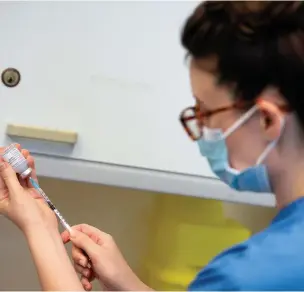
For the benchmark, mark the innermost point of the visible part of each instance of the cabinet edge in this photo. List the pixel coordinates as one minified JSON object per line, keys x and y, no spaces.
{"x":144,"y":179}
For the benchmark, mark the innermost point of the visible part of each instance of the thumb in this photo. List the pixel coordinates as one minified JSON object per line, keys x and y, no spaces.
{"x":10,"y":179}
{"x":84,"y":242}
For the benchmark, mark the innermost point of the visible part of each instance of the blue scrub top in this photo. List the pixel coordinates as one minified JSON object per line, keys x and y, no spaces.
{"x":270,"y":260}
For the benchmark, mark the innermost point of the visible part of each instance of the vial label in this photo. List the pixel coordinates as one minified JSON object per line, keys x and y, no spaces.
{"x":15,"y":158}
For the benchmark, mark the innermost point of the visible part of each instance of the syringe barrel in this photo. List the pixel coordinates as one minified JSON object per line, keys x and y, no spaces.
{"x":15,"y":158}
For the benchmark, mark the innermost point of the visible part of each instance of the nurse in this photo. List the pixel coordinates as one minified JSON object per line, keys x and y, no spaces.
{"x":247,"y":76}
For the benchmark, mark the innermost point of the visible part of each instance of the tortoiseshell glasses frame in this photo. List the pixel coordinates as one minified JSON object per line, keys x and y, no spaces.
{"x":194,"y":114}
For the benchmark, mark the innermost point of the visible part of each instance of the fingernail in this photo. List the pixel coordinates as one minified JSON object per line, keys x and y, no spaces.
{"x":86,"y":273}
{"x":82,"y":262}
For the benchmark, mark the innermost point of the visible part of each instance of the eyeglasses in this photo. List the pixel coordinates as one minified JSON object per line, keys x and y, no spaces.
{"x":193,"y":118}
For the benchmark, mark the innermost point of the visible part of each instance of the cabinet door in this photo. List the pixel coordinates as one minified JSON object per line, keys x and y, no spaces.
{"x":114,"y":72}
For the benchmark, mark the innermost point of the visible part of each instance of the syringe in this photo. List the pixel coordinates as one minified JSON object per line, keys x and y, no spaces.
{"x":51,"y":205}
{"x":15,"y":158}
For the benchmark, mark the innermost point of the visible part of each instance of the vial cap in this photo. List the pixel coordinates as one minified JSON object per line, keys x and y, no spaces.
{"x":26,"y":173}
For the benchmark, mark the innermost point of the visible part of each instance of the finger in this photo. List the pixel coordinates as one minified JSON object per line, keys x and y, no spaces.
{"x":93,"y":232}
{"x":84,"y":242}
{"x":18,"y":146}
{"x":65,"y":236}
{"x":79,"y":257}
{"x":25,"y":153}
{"x":32,"y":165}
{"x":86,"y":284}
{"x":97,"y":235}
{"x":85,"y":228}
{"x":2,"y":183}
{"x":10,"y":179}
{"x":23,"y":182}
{"x":83,"y":271}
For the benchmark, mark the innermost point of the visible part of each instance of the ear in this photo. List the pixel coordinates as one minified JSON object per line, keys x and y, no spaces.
{"x":271,"y":119}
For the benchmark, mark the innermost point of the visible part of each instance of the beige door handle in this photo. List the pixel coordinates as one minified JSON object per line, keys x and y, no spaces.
{"x":41,"y":134}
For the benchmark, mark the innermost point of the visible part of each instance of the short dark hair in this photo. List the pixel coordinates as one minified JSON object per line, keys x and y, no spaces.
{"x":257,"y":44}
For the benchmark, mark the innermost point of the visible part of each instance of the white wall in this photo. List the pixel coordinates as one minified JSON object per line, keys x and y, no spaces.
{"x":121,"y":212}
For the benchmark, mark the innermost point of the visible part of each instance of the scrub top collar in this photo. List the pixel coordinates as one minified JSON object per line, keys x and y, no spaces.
{"x":292,"y":208}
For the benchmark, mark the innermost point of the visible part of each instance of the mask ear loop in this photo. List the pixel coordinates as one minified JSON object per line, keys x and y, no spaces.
{"x":244,"y":118}
{"x":271,"y":145}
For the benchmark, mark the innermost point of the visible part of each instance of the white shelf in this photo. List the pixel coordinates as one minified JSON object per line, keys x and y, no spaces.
{"x":144,"y":179}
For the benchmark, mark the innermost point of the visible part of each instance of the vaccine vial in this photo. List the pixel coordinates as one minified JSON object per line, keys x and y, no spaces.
{"x":17,"y":161}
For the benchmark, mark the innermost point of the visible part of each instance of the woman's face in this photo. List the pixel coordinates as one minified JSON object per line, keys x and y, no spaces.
{"x":246,"y":143}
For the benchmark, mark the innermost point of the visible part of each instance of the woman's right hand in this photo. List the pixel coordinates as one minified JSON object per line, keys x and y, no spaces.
{"x":108,"y":264}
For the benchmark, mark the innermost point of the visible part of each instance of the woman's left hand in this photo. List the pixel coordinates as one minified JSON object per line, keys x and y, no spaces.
{"x":20,"y":202}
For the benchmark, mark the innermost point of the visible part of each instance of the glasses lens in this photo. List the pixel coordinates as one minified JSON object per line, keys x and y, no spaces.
{"x":191,"y":123}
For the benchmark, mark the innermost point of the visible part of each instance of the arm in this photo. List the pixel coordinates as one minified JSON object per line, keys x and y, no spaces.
{"x":26,"y":209}
{"x":53,"y":265}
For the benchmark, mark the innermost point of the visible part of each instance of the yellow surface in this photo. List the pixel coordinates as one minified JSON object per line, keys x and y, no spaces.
{"x":188,"y":210}
{"x":197,"y":245}
{"x":170,"y":280}
{"x":172,"y":211}
{"x":187,"y":233}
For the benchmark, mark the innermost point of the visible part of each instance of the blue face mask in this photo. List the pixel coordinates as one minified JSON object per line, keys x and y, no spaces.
{"x":213,"y":147}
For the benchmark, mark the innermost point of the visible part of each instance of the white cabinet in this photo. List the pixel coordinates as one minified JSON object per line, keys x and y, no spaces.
{"x":113,"y":72}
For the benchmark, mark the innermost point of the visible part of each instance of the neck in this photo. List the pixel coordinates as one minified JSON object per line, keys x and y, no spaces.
{"x":288,"y":184}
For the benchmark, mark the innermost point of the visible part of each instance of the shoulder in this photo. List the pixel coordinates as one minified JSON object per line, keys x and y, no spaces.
{"x":221,"y":273}
{"x":263,"y":262}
